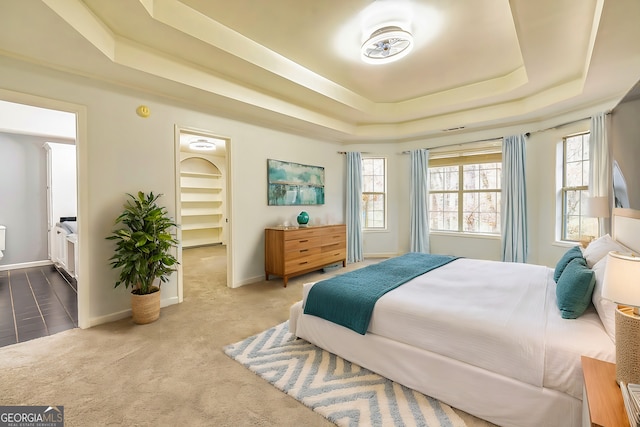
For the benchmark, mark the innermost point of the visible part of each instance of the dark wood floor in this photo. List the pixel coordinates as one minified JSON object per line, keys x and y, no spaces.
{"x":35,"y":302}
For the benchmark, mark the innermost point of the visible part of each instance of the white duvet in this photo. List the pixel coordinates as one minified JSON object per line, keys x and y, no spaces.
{"x":501,"y":317}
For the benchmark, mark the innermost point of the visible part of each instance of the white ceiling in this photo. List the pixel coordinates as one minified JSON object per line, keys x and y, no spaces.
{"x":294,"y":64}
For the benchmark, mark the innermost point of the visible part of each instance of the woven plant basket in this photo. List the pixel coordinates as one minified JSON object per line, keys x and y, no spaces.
{"x":145,"y":308}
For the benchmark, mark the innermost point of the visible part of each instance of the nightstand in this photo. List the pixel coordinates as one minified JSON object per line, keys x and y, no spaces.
{"x":602,"y":404}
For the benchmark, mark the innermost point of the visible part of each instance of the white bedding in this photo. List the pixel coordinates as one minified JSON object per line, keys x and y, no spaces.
{"x":484,"y":393}
{"x":487,"y":314}
{"x":500,"y":317}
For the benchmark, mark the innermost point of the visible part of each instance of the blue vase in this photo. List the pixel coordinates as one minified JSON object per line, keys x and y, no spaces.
{"x":303,"y":218}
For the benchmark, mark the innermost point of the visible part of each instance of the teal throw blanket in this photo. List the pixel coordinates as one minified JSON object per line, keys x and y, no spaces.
{"x":348,"y":299}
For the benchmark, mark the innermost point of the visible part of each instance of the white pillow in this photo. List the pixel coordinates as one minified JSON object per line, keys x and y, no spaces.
{"x":606,"y":309}
{"x":599,"y":249}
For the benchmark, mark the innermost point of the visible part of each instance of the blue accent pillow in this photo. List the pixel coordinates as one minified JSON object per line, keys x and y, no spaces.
{"x":572,"y":253}
{"x":575,"y":288}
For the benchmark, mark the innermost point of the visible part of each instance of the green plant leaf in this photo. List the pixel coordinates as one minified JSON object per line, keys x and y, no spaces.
{"x":143,"y":243}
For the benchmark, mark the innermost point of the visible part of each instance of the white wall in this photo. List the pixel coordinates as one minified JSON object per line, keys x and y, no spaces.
{"x":542,"y":173}
{"x":23,"y":199}
{"x":126,"y":153}
{"x":251,"y":146}
{"x":395,"y":240}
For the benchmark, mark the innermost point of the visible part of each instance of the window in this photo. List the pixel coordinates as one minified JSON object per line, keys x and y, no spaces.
{"x":575,"y":188}
{"x":374,"y":192}
{"x":464,"y":193}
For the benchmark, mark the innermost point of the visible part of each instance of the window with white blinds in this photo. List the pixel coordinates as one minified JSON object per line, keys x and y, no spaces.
{"x":464,"y":188}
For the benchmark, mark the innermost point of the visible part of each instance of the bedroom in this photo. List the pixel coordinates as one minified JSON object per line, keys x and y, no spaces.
{"x":108,"y":154}
{"x":101,"y":145}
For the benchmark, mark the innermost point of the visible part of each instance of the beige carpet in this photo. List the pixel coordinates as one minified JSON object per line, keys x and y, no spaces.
{"x":171,"y":372}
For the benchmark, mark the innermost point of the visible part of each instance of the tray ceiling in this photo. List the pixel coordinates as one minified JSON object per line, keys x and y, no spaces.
{"x":294,"y":65}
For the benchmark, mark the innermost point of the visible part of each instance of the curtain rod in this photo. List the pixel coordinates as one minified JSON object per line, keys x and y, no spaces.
{"x":527,"y":134}
{"x":563,"y":124}
{"x":454,"y":145}
{"x":495,"y":139}
{"x":570,"y":123}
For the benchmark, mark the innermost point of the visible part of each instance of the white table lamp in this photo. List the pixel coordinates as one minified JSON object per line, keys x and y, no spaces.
{"x":622,"y":286}
{"x":597,"y":207}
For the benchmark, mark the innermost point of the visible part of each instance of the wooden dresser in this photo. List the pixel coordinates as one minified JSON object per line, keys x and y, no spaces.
{"x":292,"y":251}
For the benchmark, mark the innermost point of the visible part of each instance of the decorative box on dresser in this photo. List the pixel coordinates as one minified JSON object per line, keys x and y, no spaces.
{"x":602,"y":404}
{"x":292,"y":251}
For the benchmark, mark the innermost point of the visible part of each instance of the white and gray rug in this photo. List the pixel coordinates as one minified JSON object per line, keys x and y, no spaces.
{"x":342,"y":392}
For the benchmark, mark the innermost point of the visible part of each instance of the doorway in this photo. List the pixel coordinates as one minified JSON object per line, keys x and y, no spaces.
{"x":202,"y":195}
{"x":53,"y":127}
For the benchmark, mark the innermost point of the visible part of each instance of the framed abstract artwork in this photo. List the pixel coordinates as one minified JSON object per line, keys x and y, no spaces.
{"x":294,"y":184}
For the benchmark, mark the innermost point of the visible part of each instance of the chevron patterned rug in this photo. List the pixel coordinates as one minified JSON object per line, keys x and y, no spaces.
{"x":342,"y":392}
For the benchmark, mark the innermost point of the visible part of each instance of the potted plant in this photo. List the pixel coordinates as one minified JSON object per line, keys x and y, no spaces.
{"x":143,"y":253}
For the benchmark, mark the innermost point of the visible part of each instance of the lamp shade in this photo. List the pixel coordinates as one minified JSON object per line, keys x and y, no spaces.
{"x":622,"y":279}
{"x":597,"y":207}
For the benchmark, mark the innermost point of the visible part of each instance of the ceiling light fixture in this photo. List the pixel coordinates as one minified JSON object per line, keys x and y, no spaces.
{"x":202,"y":145}
{"x":386,"y":45}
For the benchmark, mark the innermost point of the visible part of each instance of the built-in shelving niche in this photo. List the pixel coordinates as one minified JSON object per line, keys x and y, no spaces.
{"x":202,"y":202}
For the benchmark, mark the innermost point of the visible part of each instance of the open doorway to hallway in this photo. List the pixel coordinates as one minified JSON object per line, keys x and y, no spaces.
{"x":202,"y":208}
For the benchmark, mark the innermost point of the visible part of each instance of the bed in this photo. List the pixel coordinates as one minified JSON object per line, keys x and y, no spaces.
{"x":504,"y":354}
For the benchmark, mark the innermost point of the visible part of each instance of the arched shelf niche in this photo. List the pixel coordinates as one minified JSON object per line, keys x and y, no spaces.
{"x":201,"y":201}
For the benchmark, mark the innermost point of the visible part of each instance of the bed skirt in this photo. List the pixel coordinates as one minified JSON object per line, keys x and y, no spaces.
{"x":495,"y":398}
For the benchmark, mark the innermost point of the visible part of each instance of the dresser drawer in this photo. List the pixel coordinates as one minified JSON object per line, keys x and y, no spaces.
{"x":334,"y":238}
{"x":301,"y":243}
{"x":302,"y":253}
{"x":333,"y":254}
{"x":298,"y":264}
{"x":335,"y":229}
{"x":314,"y":260}
{"x":302,"y":233}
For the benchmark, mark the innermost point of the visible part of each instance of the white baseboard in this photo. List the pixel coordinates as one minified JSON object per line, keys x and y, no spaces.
{"x":25,"y":265}
{"x":112,"y":317}
{"x":119,"y":315}
{"x":250,"y":281}
{"x":168,"y":301}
